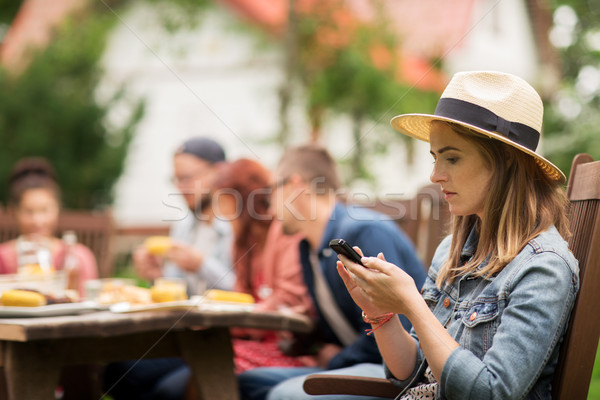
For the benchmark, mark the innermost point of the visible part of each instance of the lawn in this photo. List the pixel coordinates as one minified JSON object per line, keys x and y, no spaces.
{"x":594,"y":393}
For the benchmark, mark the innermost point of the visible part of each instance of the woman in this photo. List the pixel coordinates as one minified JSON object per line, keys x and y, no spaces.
{"x":500,"y":288}
{"x":266,"y":262}
{"x":34,"y":197}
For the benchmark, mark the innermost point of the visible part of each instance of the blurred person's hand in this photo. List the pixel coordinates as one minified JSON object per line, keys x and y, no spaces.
{"x":146,"y":265}
{"x":326,"y":353}
{"x":185,"y":256}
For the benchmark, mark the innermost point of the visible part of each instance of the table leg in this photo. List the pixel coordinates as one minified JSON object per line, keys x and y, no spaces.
{"x":210,"y":357}
{"x":32,"y":370}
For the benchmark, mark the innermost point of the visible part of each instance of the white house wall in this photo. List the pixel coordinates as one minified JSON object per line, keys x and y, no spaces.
{"x":215,"y":81}
{"x":500,"y":39}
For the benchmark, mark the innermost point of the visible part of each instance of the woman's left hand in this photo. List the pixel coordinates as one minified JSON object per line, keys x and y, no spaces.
{"x":380,"y":287}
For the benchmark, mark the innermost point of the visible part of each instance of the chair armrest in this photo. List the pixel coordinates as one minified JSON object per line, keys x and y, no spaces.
{"x":350,"y":385}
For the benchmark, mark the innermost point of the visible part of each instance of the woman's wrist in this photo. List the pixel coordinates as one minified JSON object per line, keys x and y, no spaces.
{"x":416,"y":308}
{"x":376,"y":321}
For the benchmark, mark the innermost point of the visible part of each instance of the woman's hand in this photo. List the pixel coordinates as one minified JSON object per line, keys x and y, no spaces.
{"x":354,"y":290}
{"x":380,"y":287}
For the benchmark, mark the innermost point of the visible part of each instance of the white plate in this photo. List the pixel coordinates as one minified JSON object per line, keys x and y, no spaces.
{"x":167,"y":305}
{"x":194,"y":302}
{"x":50,"y":310}
{"x":230,"y":306}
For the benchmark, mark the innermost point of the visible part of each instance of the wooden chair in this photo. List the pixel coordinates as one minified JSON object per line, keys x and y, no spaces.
{"x":94,"y":229}
{"x":578,"y":350}
{"x":574,"y":370}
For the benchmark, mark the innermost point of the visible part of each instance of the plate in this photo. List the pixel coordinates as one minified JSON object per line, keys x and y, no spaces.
{"x":125,"y":307}
{"x":195,"y":302}
{"x":230,"y":306}
{"x":50,"y":310}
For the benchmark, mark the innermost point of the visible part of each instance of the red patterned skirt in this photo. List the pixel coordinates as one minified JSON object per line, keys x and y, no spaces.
{"x":249,"y":354}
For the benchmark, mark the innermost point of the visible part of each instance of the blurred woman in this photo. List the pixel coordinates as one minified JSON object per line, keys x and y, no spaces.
{"x":266,"y":262}
{"x":35,"y":199}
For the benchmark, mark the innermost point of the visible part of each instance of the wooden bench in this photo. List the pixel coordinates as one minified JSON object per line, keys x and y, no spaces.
{"x":94,"y":229}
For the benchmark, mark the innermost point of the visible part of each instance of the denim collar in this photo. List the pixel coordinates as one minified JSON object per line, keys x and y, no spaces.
{"x":470,"y":245}
{"x":469,"y":249}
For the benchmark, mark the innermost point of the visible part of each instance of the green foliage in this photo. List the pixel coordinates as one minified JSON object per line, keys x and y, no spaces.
{"x":351,"y":67}
{"x":176,"y":14}
{"x":576,"y":131}
{"x":51,"y":110}
{"x":594,"y":392}
{"x":8,"y":10}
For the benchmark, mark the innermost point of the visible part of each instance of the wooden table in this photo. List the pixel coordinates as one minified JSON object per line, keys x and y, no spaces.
{"x":33,"y":350}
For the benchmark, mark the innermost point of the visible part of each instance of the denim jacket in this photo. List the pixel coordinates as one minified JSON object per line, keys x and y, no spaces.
{"x":509,"y":326}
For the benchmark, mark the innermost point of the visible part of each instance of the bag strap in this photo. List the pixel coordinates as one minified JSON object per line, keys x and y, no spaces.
{"x":328,"y":306}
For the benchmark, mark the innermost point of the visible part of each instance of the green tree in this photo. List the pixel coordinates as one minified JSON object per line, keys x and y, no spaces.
{"x":572,"y":118}
{"x":51,"y":110}
{"x":351,"y":67}
{"x":8,"y":10}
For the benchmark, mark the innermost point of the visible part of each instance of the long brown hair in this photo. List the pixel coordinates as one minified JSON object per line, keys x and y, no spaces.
{"x":522,"y":203}
{"x":248,"y":181}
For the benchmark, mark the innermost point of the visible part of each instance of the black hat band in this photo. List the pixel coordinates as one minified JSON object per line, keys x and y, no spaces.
{"x":485,"y":119}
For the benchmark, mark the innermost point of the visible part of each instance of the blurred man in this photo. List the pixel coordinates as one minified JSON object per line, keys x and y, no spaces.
{"x":305,"y":199}
{"x":201,"y":251}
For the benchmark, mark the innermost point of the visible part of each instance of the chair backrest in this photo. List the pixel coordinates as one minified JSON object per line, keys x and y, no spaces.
{"x":578,"y":350}
{"x":424,"y":218}
{"x":93,"y":229}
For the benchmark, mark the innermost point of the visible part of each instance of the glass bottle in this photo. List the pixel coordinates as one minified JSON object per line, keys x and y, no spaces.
{"x":71,"y":263}
{"x":26,"y":256}
{"x":33,"y":257}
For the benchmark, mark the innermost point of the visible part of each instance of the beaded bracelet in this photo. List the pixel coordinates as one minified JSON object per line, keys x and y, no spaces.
{"x":379,"y":320}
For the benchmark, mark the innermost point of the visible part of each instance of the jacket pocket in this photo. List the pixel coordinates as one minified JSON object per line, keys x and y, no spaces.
{"x":481,"y":311}
{"x":480,"y":322}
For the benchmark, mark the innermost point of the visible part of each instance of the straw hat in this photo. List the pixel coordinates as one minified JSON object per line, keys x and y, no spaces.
{"x":498,"y":105}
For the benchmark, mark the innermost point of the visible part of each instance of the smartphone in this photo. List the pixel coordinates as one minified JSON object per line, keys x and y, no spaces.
{"x":340,"y":246}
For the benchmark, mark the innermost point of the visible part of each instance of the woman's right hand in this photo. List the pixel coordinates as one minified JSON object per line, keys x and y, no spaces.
{"x":358,"y":295}
{"x":381,"y":287}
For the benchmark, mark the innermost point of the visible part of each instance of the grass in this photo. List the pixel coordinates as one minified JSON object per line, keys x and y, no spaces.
{"x":594,"y":393}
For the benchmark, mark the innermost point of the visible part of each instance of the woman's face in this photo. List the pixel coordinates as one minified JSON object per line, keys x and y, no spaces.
{"x":37,"y":213}
{"x":460,"y":169}
{"x":226,"y":206}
